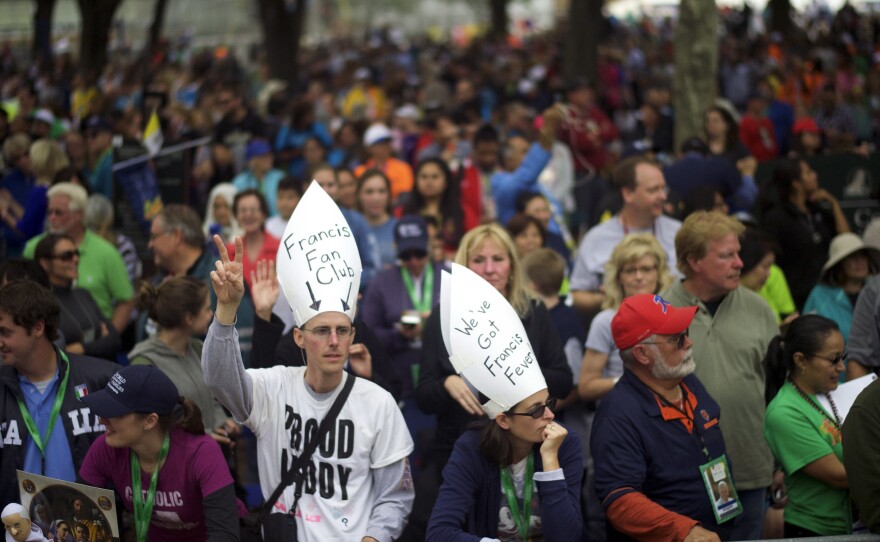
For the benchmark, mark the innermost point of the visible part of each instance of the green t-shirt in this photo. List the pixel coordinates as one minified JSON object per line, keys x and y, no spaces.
{"x":798,"y":434}
{"x":101,"y":271}
{"x":777,"y":294}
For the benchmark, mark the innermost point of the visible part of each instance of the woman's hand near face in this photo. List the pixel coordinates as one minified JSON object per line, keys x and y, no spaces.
{"x":553,"y":435}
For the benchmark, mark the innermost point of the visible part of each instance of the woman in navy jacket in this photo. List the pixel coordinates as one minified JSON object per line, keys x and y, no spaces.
{"x":486,"y":489}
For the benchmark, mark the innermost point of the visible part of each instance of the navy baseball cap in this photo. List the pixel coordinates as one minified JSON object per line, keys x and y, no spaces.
{"x":411,"y":233}
{"x":136,"y":388}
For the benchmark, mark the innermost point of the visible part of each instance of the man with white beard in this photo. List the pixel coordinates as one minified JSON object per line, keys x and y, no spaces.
{"x":656,"y":435}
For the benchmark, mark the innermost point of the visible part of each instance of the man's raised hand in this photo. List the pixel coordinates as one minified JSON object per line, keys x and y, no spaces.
{"x":228,"y":281}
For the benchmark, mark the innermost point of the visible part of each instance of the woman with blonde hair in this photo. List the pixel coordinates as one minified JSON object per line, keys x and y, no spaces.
{"x":47,"y":159}
{"x":488,"y":251}
{"x":637,"y":266}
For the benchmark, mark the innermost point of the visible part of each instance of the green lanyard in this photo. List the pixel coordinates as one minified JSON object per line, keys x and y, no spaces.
{"x":144,"y":509}
{"x":56,"y":408}
{"x":522,"y":520}
{"x":421,"y":303}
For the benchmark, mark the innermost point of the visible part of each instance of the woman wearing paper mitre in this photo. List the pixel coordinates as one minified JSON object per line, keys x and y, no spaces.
{"x":489,"y":252}
{"x":517,"y":475}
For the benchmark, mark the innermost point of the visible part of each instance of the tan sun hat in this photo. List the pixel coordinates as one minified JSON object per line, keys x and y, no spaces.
{"x":846,"y":244}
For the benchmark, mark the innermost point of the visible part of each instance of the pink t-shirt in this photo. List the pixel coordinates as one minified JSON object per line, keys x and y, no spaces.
{"x":195,"y":467}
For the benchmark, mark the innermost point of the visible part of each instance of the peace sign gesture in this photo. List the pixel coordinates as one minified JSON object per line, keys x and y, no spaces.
{"x":228,"y":281}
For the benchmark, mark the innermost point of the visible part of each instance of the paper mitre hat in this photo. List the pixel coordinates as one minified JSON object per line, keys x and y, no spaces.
{"x":486,"y":341}
{"x":318,"y":263}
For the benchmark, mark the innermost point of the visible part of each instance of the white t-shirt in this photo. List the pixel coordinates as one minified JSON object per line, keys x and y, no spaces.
{"x":369,"y":433}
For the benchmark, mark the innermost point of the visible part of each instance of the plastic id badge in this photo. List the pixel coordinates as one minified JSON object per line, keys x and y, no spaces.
{"x":720,"y":490}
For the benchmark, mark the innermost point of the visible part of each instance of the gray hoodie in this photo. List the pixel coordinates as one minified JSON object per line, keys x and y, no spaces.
{"x":185,"y":372}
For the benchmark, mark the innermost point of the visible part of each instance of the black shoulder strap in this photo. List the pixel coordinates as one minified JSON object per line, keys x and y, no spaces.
{"x":300,"y":462}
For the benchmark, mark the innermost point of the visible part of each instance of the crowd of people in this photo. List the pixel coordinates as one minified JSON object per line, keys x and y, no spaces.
{"x":676,"y":307}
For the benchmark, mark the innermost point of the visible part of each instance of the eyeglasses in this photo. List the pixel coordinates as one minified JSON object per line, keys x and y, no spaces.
{"x":412,"y":254}
{"x":537,"y":412}
{"x":324,"y":331}
{"x":836,"y":359}
{"x":66,"y":256}
{"x":644,"y":270}
{"x":679,"y":340}
{"x":157,"y":234}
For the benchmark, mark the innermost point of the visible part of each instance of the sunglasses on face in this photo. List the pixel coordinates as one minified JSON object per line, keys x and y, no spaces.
{"x":679,"y":340}
{"x":66,"y":256}
{"x":537,"y":412}
{"x":836,"y":359}
{"x":412,"y":254}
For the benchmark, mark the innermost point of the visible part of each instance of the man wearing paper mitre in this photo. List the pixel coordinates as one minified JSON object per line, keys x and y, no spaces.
{"x":658,"y":450}
{"x":356,"y":484}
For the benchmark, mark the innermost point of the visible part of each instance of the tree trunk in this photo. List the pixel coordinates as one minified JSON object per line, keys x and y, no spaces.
{"x":780,"y":15}
{"x":581,"y":57}
{"x":696,"y":66}
{"x":498,"y":22}
{"x":156,"y":28}
{"x":96,"y":20}
{"x":282,"y":28}
{"x":41,"y":48}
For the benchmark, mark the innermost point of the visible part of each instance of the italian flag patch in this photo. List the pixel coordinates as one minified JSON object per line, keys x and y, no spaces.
{"x":81,"y":391}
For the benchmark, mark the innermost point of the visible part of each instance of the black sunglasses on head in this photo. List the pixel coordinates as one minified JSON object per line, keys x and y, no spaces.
{"x":537,"y":412}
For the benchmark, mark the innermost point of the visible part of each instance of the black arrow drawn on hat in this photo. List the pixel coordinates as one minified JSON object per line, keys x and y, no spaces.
{"x":316,"y":303}
{"x":345,"y":306}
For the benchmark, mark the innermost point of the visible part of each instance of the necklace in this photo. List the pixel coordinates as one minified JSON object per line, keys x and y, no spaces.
{"x":802,"y":393}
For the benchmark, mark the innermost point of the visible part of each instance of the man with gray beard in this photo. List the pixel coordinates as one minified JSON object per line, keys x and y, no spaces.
{"x":656,"y":434}
{"x":731,"y":331}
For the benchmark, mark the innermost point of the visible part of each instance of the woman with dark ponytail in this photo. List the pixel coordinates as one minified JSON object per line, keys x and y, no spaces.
{"x":155,"y":453}
{"x":182,"y":310}
{"x":803,"y":434}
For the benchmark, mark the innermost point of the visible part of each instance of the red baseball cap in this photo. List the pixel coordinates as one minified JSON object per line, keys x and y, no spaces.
{"x":643,"y":315}
{"x":805,"y":124}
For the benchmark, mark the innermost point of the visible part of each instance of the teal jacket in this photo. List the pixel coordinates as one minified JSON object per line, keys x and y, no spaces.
{"x":833,"y":303}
